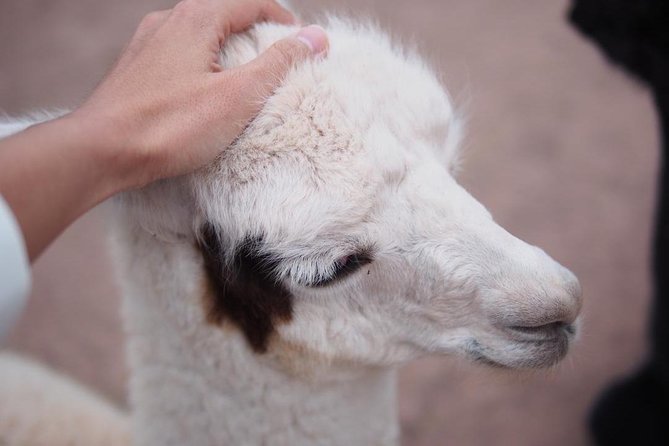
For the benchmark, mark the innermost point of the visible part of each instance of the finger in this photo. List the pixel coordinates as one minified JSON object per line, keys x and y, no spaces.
{"x":237,"y":17}
{"x":232,"y":16}
{"x":265,"y":73}
{"x":272,"y":11}
{"x":151,"y":22}
{"x":284,"y":54}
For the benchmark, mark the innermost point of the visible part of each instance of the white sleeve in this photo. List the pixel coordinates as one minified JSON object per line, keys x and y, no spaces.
{"x":14,"y":269}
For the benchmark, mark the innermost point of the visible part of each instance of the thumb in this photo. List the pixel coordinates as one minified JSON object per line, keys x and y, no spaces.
{"x":267,"y":71}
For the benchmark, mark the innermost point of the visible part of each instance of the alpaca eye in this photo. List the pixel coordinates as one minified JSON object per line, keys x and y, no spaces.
{"x":344,"y":267}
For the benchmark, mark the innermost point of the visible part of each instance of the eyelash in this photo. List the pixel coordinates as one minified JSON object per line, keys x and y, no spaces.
{"x":345,"y":267}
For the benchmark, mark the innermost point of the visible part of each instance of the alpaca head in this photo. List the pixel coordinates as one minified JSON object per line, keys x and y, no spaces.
{"x":334,"y":227}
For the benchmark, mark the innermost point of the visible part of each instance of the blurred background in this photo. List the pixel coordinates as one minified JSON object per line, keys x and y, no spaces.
{"x":562,"y":148}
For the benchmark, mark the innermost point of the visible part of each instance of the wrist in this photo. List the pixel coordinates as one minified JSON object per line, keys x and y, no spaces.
{"x":108,"y":148}
{"x":88,"y":142}
{"x":59,"y":170}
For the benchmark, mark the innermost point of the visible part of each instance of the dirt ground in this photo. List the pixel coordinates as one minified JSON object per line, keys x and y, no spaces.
{"x":561,"y":148}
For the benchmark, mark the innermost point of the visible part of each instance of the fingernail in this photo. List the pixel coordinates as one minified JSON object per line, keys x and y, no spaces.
{"x":315,"y":38}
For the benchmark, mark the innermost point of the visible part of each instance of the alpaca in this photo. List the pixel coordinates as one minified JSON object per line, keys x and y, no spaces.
{"x":42,"y":408}
{"x":270,"y":296}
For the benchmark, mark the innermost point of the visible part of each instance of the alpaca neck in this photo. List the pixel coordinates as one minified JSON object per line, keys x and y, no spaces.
{"x":197,"y":384}
{"x":231,"y":396}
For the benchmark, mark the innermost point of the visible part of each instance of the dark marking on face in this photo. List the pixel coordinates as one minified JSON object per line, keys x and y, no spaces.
{"x":245,"y":289}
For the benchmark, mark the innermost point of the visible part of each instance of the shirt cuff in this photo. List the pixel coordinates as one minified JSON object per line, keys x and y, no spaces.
{"x":14,"y":269}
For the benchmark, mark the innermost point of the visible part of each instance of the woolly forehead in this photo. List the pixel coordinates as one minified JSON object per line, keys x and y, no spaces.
{"x":325,"y":146}
{"x":378,"y":84}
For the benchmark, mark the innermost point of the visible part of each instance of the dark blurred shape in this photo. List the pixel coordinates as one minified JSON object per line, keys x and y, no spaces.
{"x":635,"y":35}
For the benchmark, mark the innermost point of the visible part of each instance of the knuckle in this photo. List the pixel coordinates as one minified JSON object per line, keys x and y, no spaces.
{"x":233,"y":79}
{"x":191,"y":7}
{"x":237,"y":82}
{"x":150,"y":19}
{"x":199,"y":12}
{"x":290,"y":51}
{"x":272,"y":5}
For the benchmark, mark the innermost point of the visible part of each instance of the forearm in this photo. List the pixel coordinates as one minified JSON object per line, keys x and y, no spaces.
{"x":52,"y":173}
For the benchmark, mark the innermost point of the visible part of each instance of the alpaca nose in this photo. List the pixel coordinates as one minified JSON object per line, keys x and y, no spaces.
{"x":543,"y":312}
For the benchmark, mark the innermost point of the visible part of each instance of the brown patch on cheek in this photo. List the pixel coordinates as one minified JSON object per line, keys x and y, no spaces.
{"x":244,"y":290}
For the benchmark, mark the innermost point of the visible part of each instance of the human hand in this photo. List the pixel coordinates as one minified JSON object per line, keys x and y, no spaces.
{"x":167,"y":107}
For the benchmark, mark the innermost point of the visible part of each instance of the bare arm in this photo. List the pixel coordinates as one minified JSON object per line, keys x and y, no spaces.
{"x":165,"y":109}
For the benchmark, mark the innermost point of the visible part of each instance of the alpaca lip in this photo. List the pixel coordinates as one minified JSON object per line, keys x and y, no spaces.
{"x":538,"y":353}
{"x":553,"y":332}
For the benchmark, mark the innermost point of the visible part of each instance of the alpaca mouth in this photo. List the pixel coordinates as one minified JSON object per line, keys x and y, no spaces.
{"x":521,"y":353}
{"x":552,"y":332}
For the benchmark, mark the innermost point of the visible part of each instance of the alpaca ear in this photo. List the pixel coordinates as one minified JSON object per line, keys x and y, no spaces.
{"x":243,"y":288}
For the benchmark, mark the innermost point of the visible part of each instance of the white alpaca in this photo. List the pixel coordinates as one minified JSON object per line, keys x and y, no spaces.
{"x":270,"y":296}
{"x":38,"y":407}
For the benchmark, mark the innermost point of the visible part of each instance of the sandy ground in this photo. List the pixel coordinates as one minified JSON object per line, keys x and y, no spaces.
{"x":560,"y":147}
